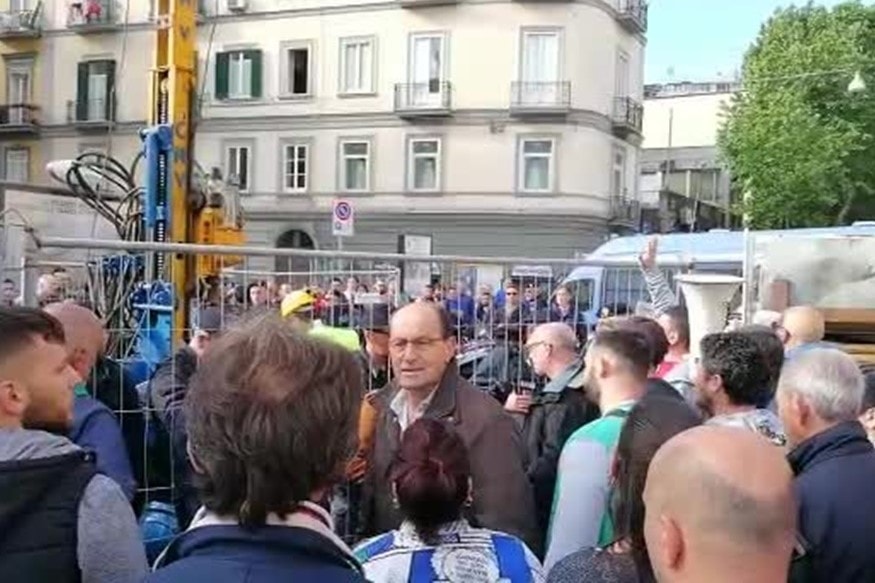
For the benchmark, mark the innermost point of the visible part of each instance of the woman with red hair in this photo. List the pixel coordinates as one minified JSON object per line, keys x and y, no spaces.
{"x":431,"y":479}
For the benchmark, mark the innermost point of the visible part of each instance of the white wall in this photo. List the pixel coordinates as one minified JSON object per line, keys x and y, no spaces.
{"x":694,"y":120}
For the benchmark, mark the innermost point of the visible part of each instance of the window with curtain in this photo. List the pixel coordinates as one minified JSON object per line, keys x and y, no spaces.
{"x":356,"y":65}
{"x":17,"y":164}
{"x":425,"y":164}
{"x":296,"y":161}
{"x":618,"y":172}
{"x":239,"y":76}
{"x":540,"y":67}
{"x":536,"y":165}
{"x":356,"y":165}
{"x":238,"y":166}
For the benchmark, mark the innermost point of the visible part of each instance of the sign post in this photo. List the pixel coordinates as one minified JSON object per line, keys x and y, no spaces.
{"x":342,"y":221}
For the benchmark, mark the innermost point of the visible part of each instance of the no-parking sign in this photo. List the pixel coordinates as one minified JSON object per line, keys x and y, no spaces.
{"x":342,"y":219}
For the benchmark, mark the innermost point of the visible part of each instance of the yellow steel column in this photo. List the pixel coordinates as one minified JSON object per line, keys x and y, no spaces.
{"x":171,"y":90}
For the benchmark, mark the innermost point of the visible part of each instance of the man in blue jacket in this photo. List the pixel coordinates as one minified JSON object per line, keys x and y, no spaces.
{"x":95,"y":428}
{"x":819,"y":397}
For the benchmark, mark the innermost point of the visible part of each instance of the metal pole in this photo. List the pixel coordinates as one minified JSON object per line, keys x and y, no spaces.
{"x":29,"y":270}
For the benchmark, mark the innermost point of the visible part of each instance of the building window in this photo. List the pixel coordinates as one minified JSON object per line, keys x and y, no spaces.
{"x":239,"y":166}
{"x":356,"y":65}
{"x":424,"y":164}
{"x":427,"y":64}
{"x":539,"y":64}
{"x":297,"y":69}
{"x":355,"y":165}
{"x":296,"y":158}
{"x":17,"y":164}
{"x":621,"y":82}
{"x":94,"y":90}
{"x":618,"y":171}
{"x":238,"y":74}
{"x":536,"y":165}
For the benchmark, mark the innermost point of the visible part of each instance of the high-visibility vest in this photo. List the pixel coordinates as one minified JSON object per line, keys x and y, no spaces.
{"x":345,"y":337}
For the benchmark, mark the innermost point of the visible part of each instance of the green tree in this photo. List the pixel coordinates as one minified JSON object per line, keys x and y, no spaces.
{"x":799,"y":145}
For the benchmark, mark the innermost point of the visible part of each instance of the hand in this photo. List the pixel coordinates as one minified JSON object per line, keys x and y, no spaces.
{"x":648,"y":256}
{"x":518,"y":403}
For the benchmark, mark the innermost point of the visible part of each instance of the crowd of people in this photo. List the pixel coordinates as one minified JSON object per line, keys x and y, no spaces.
{"x":290,"y":449}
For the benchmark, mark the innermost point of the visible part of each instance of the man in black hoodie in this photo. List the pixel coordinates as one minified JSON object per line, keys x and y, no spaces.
{"x":59,"y":519}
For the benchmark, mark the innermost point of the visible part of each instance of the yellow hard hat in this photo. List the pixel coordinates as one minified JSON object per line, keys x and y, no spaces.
{"x":295,"y":302}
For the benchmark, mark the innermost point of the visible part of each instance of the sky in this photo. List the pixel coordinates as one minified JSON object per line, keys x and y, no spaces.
{"x":702,"y":40}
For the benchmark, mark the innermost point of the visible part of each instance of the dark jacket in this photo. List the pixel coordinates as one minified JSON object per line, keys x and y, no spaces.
{"x":113,"y":387}
{"x":269,"y":554}
{"x":502,"y":496}
{"x":96,"y":429}
{"x":835,"y":473}
{"x":557,"y":411}
{"x":168,"y":460}
{"x":39,"y":515}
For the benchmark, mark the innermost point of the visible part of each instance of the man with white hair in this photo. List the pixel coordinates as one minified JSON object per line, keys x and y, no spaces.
{"x":551,"y":414}
{"x":819,"y":398}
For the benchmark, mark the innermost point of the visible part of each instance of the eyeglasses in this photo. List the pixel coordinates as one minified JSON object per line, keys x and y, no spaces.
{"x":418,"y":344}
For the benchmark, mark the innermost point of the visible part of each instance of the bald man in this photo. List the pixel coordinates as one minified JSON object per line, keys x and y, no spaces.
{"x":802,"y":329}
{"x":550,"y":415}
{"x":720,"y":507}
{"x":95,"y":428}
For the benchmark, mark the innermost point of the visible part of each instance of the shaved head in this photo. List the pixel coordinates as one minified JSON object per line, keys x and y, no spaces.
{"x":717,"y":497}
{"x":803,"y":324}
{"x":84,"y":333}
{"x":556,"y":334}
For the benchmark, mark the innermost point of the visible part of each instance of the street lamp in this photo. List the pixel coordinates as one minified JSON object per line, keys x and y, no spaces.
{"x":857,"y":84}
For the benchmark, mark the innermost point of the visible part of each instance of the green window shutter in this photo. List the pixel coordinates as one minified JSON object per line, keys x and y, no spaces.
{"x":255,"y":57}
{"x":223,"y":64}
{"x":110,"y":90}
{"x":82,"y":92}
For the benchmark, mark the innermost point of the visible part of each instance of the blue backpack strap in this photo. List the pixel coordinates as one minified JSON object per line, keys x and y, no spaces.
{"x":512,"y":563}
{"x":421,"y":569}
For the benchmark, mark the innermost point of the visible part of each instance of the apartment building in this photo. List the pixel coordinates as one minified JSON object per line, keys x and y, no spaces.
{"x":495,"y":128}
{"x":683,"y":184}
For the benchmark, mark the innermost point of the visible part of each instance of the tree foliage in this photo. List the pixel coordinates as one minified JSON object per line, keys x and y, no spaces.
{"x":799,"y":145}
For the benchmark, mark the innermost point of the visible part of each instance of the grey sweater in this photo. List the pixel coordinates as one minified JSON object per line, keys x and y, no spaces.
{"x":109,"y":549}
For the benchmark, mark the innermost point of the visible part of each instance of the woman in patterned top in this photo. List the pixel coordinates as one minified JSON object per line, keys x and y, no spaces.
{"x":652,"y":421}
{"x":431,"y":477}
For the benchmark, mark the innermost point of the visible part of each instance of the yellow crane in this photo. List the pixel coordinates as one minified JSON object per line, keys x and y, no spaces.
{"x":192,"y":218}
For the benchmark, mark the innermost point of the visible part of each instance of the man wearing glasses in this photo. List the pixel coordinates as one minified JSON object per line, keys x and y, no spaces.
{"x":422,"y":351}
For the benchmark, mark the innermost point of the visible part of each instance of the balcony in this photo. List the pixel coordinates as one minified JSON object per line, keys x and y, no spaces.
{"x":424,"y":3}
{"x":625,"y":212}
{"x":19,"y":119}
{"x":628,"y":117}
{"x":92,"y":16}
{"x":429,"y":99}
{"x":91,"y":114}
{"x":20,"y":23}
{"x":633,"y":15}
{"x":540,"y":98}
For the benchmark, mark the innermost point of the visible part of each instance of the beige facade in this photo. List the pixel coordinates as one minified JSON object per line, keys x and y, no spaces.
{"x":683,"y":185}
{"x":470,"y":113}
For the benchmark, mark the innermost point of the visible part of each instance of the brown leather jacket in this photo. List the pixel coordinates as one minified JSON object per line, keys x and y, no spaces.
{"x":503,"y":498}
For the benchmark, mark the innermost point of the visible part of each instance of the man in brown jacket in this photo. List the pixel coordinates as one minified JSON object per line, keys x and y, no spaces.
{"x":427,"y":383}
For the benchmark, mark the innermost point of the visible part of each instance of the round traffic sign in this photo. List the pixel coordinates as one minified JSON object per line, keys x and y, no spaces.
{"x":343,"y":210}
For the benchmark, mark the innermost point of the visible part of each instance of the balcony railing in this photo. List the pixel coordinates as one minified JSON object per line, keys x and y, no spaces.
{"x":540,"y":97}
{"x":20,"y":23}
{"x":633,"y":15}
{"x":625,"y":211}
{"x":18,"y":117}
{"x":432,"y":98}
{"x":92,"y":16}
{"x":628,"y":115}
